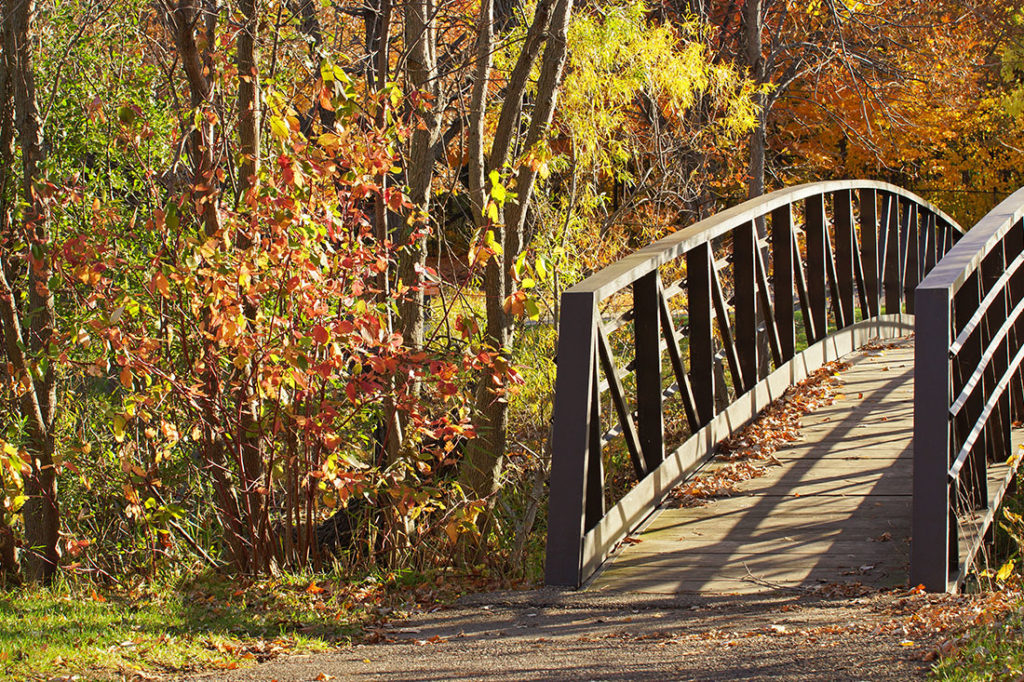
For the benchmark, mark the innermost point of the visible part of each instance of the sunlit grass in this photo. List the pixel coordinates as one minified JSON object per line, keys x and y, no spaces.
{"x":180,"y":625}
{"x":992,"y":652}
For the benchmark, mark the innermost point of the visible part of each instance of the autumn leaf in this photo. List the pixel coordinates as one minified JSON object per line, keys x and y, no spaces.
{"x":515,"y":305}
{"x":320,"y":334}
{"x":161,"y":284}
{"x":279,"y":128}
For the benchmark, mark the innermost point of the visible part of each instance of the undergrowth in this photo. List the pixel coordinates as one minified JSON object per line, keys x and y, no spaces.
{"x":989,"y":652}
{"x":994,"y":649}
{"x":185,"y":622}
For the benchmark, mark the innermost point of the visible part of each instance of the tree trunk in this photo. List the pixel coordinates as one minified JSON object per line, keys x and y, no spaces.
{"x":7,"y":149}
{"x":309,"y":23}
{"x":481,"y":470}
{"x":182,"y":19}
{"x":37,"y":405}
{"x":248,"y":97}
{"x":238,"y":509}
{"x":250,"y":442}
{"x":8,"y":557}
{"x":421,"y":39}
{"x":478,"y":112}
{"x":753,"y":26}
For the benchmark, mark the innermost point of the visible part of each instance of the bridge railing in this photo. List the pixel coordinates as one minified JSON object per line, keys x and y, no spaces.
{"x":642,"y":393}
{"x":969,"y":391}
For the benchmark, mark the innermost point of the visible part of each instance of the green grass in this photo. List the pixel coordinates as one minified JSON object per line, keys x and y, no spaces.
{"x":994,"y":650}
{"x":991,"y":652}
{"x":186,"y":625}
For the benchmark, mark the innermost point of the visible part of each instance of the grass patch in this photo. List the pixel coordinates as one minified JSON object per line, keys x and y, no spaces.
{"x":989,"y":652}
{"x":189,"y":624}
{"x":994,"y":648}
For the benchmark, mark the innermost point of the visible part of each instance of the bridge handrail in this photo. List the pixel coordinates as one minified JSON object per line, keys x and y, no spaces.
{"x":969,"y":390}
{"x":872,"y":246}
{"x":623,"y":272}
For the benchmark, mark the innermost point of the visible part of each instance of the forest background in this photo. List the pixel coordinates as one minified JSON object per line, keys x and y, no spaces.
{"x":280,"y":278}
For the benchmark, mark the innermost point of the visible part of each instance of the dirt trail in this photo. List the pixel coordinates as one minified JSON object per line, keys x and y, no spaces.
{"x":556,"y":635}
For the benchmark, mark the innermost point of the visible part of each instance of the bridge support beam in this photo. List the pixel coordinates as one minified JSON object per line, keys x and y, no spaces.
{"x":573,"y":445}
{"x":647,"y":342}
{"x":817,"y":279}
{"x":702,"y":345}
{"x":931,"y":529}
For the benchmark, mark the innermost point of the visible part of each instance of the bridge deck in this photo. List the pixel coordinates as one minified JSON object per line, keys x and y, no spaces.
{"x":836,"y":510}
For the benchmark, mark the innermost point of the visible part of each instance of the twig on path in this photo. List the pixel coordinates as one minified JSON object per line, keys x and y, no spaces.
{"x":750,"y":577}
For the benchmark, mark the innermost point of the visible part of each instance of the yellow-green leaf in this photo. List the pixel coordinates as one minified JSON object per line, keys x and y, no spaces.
{"x":278,"y":127}
{"x":117,"y":426}
{"x":492,"y":243}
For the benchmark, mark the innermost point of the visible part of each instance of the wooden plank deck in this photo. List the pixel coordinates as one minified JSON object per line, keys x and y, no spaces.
{"x":836,"y":510}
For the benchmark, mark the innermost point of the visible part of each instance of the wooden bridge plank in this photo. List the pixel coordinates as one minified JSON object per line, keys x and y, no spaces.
{"x":838,"y":499}
{"x":789,"y":505}
{"x":692,"y":549}
{"x":849,"y":561}
{"x":806,"y":527}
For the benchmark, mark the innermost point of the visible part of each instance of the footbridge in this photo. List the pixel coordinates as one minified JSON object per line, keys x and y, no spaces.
{"x":670,"y":351}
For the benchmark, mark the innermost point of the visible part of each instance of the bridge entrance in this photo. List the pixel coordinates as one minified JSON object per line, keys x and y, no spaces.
{"x":668,"y":352}
{"x":831,"y":512}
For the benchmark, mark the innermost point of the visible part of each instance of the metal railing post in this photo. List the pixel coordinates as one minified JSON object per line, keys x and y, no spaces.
{"x":912,"y":260}
{"x":817,"y":279}
{"x":647,"y":346}
{"x":702,"y":348}
{"x":745,"y":304}
{"x":570,"y":445}
{"x":783,"y":279}
{"x":842,"y":210}
{"x":929,"y":549}
{"x":869,"y":248}
{"x":892,"y":271}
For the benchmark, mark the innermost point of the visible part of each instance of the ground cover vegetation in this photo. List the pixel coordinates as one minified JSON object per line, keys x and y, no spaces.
{"x":280,"y":279}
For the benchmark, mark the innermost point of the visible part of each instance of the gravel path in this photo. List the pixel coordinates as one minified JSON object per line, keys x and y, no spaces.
{"x":555,"y":635}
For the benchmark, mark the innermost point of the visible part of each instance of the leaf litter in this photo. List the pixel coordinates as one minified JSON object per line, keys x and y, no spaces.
{"x":750,"y":452}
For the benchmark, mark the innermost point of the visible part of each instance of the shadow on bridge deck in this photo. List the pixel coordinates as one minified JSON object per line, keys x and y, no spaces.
{"x":837,"y":509}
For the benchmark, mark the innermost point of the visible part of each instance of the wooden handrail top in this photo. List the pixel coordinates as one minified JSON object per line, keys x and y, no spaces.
{"x":967,"y":254}
{"x":623,"y":272}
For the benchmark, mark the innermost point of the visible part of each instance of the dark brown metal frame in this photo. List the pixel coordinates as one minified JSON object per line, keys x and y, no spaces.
{"x":866,"y":243}
{"x":968,"y":392}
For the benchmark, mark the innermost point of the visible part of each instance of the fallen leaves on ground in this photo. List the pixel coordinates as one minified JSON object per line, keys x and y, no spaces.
{"x":921,"y":626}
{"x":258,"y":650}
{"x":775,"y":426}
{"x":880,"y":346}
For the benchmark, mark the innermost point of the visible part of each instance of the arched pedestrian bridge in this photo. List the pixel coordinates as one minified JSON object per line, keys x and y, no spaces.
{"x":669,"y":351}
